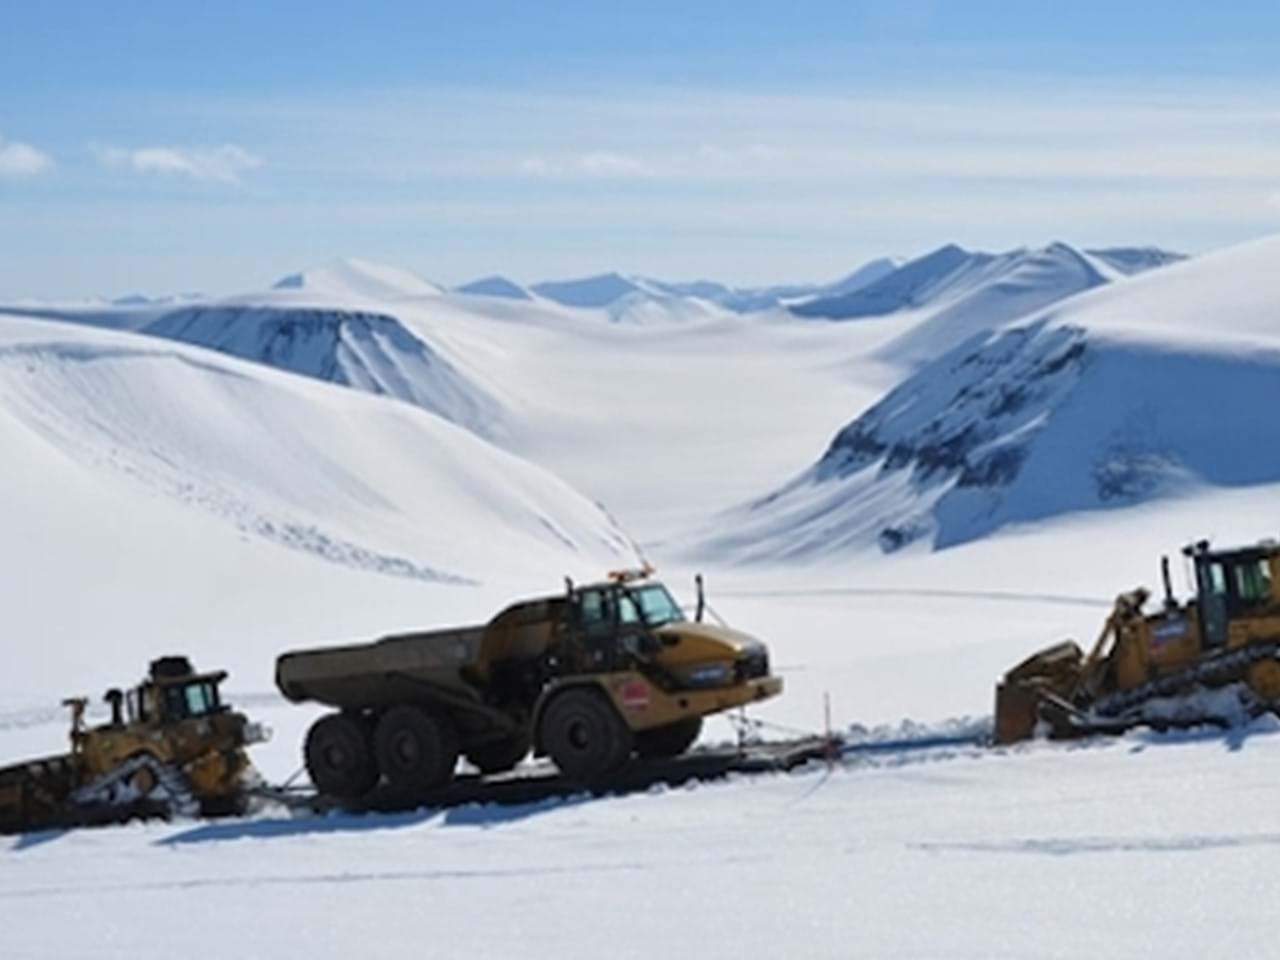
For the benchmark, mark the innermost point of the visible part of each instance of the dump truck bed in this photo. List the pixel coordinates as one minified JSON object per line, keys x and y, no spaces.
{"x":385,"y":672}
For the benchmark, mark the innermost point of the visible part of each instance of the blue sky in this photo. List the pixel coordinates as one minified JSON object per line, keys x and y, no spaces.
{"x":175,"y":146}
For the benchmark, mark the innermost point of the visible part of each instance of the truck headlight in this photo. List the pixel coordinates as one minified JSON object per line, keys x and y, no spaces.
{"x":708,"y":675}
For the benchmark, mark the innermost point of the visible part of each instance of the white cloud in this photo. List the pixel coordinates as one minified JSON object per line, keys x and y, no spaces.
{"x":601,"y":164}
{"x":223,"y":164}
{"x":19,"y":159}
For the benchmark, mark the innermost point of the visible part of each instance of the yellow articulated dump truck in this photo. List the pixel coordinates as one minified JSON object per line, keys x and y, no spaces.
{"x":1155,"y":667}
{"x":589,"y":677}
{"x":171,"y":747}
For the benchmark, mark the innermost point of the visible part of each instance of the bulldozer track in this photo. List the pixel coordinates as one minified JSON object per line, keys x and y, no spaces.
{"x":1124,"y":709}
{"x":170,"y":792}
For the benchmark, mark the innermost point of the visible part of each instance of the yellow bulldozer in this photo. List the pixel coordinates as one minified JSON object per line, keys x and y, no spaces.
{"x":170,"y":747}
{"x":1155,"y":668}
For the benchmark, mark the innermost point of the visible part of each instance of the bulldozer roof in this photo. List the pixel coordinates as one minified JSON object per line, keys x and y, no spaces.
{"x":1265,"y":547}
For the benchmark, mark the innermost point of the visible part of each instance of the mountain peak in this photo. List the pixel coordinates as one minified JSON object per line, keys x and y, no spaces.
{"x":360,"y":279}
{"x":495,"y":285}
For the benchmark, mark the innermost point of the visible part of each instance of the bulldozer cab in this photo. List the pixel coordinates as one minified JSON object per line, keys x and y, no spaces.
{"x":171,"y":693}
{"x":1232,"y":585}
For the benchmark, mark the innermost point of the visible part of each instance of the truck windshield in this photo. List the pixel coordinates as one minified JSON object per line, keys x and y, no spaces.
{"x":657,"y":606}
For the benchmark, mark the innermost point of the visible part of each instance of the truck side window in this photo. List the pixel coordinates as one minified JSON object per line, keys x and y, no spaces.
{"x":597,"y":614}
{"x":591,"y":608}
{"x":627,"y":612}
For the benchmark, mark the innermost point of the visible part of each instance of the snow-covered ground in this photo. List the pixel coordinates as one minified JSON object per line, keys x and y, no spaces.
{"x":161,"y":496}
{"x":1148,"y":846}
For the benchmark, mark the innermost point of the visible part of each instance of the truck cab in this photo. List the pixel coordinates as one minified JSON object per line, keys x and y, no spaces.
{"x":633,"y":619}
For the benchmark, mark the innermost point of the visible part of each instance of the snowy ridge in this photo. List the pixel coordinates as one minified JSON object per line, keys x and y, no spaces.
{"x":371,"y":351}
{"x":354,"y":278}
{"x":945,"y":273}
{"x":953,"y":294}
{"x":1009,"y":287}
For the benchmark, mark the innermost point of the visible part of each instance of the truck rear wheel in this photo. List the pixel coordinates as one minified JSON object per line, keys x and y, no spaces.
{"x":584,"y":735}
{"x":499,"y":756}
{"x":416,"y":750}
{"x":670,"y":740}
{"x":339,"y":756}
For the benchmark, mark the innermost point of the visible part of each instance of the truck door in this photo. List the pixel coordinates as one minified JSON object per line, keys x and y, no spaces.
{"x":1212,"y":576}
{"x":597,"y":629}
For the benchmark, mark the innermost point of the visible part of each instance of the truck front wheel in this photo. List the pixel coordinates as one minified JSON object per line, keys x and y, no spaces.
{"x":416,"y":750}
{"x":339,"y":756}
{"x":584,"y":735}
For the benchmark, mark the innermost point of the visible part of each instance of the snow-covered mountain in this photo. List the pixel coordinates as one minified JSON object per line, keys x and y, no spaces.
{"x":590,"y":292}
{"x":1142,"y":389}
{"x":650,"y":384}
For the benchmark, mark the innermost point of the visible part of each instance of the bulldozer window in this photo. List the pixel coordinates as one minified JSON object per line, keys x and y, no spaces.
{"x":1253,"y":581}
{"x":191,"y":700}
{"x":202,"y":699}
{"x":1217,"y":579}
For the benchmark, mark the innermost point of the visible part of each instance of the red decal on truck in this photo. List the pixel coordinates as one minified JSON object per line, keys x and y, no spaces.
{"x":635,"y":694}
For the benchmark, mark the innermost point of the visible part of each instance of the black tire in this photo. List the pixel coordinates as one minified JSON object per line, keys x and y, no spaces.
{"x":669,"y":741}
{"x":500,"y":755}
{"x":416,"y":750}
{"x":583,"y":734}
{"x":339,"y":756}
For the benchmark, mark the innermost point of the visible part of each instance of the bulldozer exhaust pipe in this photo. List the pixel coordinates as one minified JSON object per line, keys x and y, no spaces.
{"x":1169,"y":601}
